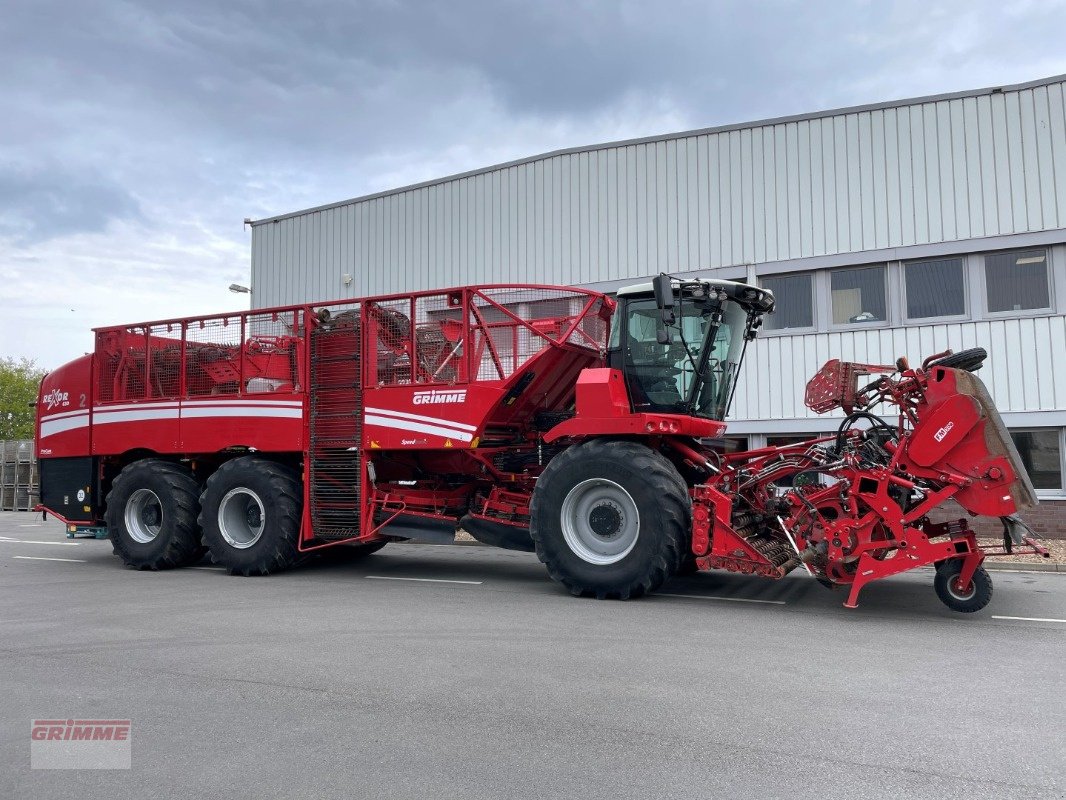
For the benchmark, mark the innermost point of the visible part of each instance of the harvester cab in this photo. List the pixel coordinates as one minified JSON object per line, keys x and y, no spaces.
{"x":680,"y":343}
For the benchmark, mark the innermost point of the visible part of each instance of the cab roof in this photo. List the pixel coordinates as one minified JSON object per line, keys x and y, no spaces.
{"x":743,"y":293}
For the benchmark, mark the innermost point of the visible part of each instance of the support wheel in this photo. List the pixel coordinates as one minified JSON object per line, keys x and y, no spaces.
{"x":151,"y":515}
{"x":969,"y":360}
{"x":965,"y":599}
{"x":610,"y":519}
{"x":250,"y":515}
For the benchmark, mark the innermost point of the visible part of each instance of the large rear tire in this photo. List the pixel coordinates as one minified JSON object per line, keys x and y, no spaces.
{"x":151,"y":515}
{"x":250,"y":515}
{"x":610,"y":519}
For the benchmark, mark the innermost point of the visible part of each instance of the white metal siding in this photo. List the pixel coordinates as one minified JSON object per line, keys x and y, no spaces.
{"x":1023,"y":370}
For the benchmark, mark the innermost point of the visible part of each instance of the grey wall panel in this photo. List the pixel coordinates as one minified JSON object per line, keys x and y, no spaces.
{"x":778,"y":367}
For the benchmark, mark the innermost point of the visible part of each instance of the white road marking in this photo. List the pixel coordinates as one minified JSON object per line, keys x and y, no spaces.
{"x":420,"y":580}
{"x":1031,"y":619}
{"x":29,"y":524}
{"x":727,"y":599}
{"x":43,"y":558}
{"x":6,"y":540}
{"x":209,"y":569}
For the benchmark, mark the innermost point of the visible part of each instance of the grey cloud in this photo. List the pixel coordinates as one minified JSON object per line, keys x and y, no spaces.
{"x":353,"y":76}
{"x":41,"y":204}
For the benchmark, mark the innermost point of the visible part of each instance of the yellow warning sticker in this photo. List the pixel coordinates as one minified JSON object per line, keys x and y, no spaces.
{"x":447,"y":442}
{"x":473,"y":443}
{"x":374,"y":445}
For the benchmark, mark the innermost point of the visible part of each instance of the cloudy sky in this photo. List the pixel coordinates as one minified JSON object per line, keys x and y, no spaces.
{"x":136,"y":136}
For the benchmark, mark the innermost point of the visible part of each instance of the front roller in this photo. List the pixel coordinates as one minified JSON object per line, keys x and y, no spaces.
{"x":610,"y":519}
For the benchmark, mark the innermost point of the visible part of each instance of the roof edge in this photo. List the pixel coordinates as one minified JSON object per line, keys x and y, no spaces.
{"x":666,"y":137}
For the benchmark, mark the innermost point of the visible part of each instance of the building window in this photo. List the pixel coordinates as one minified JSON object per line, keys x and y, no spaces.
{"x":858,"y":295}
{"x":1017,"y":281}
{"x":793,"y":296}
{"x":935,"y":288}
{"x":1041,"y":454}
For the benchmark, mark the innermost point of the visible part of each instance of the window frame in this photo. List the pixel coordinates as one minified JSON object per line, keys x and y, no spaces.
{"x":982,"y":272}
{"x":1049,"y":494}
{"x":827,"y":291}
{"x":967,"y":293}
{"x":975,"y":291}
{"x":765,"y":331}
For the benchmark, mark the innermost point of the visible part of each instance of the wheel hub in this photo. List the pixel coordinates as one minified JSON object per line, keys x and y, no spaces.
{"x":957,"y":589}
{"x":143,"y":516}
{"x":600,"y":521}
{"x":606,"y":520}
{"x":241,"y":517}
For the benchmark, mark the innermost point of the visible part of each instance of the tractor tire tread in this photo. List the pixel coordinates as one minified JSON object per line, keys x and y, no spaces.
{"x":184,"y":546}
{"x":285,"y":486}
{"x":674,"y":511}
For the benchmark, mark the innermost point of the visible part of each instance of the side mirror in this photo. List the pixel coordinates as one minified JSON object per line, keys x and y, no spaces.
{"x":663,"y":288}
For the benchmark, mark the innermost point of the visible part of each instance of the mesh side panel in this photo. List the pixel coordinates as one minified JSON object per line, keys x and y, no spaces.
{"x":591,"y":332}
{"x":336,"y":427}
{"x":122,"y":364}
{"x":997,"y":439}
{"x":213,"y":356}
{"x":439,"y":333}
{"x":426,"y":339}
{"x":164,"y":363}
{"x":393,"y":323}
{"x":106,"y":363}
{"x":270,"y":351}
{"x":511,"y":325}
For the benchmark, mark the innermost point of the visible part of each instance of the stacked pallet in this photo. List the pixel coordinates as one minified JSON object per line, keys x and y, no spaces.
{"x":19,"y":485}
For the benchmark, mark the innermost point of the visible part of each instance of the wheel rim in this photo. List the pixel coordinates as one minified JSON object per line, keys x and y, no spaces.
{"x":957,"y":591}
{"x":600,"y":521}
{"x":143,"y":516}
{"x":241,"y":518}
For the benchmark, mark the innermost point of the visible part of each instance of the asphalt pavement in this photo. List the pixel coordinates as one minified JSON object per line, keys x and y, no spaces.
{"x":464,"y":672}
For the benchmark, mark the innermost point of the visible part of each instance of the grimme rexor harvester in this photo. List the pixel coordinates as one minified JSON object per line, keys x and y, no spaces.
{"x":536,"y":418}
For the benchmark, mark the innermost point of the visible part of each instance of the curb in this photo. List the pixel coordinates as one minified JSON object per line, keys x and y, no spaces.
{"x":1012,"y":566}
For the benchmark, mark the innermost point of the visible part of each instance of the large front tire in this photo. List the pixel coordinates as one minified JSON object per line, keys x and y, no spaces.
{"x":250,"y":515}
{"x":610,"y":519}
{"x":151,"y":515}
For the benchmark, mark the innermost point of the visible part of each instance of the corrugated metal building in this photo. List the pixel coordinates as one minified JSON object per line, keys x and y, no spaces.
{"x":897,"y":228}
